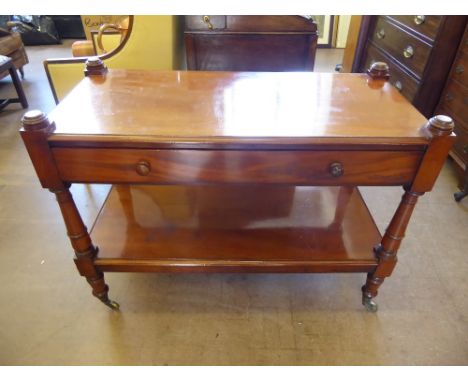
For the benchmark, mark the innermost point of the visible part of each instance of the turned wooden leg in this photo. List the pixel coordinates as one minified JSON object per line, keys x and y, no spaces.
{"x":85,"y":251}
{"x":36,"y":129}
{"x":387,"y":250}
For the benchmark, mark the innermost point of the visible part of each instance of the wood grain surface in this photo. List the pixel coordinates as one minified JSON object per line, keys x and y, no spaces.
{"x":236,"y":166}
{"x":253,"y":108}
{"x":216,"y":228}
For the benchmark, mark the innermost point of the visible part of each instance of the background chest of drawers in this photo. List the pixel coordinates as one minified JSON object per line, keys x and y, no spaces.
{"x":454,"y":102}
{"x":420,"y":51}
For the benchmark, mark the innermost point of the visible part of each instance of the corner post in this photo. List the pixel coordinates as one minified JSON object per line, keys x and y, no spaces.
{"x":379,"y":70}
{"x":438,"y":130}
{"x":95,"y":67}
{"x":36,"y":127}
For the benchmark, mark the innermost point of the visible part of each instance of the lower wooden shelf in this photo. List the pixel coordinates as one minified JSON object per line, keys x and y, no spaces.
{"x":235,"y":228}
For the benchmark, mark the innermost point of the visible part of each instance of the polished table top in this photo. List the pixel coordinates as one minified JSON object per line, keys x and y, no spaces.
{"x":247,"y":107}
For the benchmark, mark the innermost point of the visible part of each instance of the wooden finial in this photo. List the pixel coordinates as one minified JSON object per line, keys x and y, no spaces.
{"x":379,"y":70}
{"x":35,"y":120}
{"x":440,"y":125}
{"x":95,"y":66}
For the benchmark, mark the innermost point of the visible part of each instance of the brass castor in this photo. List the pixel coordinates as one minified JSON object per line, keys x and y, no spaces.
{"x":459,"y":195}
{"x":370,"y":305}
{"x":111,"y":304}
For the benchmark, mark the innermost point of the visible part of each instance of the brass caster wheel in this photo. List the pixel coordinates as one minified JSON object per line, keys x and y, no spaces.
{"x":112,"y":304}
{"x":370,"y":305}
{"x":459,"y":195}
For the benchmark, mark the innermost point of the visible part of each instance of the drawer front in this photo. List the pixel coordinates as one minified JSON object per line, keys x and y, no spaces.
{"x":455,"y":99}
{"x":205,"y":22}
{"x":232,"y":166}
{"x":460,"y":68}
{"x":427,"y":26}
{"x":406,"y":84}
{"x":270,"y":52}
{"x":405,"y":48}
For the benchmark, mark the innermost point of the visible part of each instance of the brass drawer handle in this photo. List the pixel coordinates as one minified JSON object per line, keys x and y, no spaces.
{"x":459,"y":69}
{"x":418,"y":20}
{"x":449,"y":97}
{"x":206,"y":20}
{"x":408,"y":52}
{"x":336,"y":169}
{"x":380,"y":34}
{"x":399,"y":86}
{"x":143,"y":168}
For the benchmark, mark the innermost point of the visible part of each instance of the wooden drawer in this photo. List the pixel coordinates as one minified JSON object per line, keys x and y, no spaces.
{"x":100,"y":165}
{"x":455,"y":99}
{"x":406,"y":84}
{"x":267,"y":52}
{"x":408,"y":50}
{"x":250,"y":24}
{"x":426,"y":26}
{"x":460,"y":68}
{"x":203,"y":22}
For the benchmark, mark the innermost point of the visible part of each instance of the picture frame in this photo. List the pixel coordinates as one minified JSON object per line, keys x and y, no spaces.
{"x":324,"y":29}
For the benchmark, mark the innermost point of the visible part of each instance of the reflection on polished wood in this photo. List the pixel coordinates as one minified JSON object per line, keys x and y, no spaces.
{"x":256,"y":228}
{"x":250,"y":107}
{"x":236,"y":166}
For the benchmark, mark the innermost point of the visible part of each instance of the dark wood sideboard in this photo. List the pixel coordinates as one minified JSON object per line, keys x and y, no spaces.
{"x":425,"y":55}
{"x":235,"y":171}
{"x":250,"y":43}
{"x":454,"y":102}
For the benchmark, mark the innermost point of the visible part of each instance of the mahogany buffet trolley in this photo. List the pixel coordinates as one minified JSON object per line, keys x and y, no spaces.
{"x":235,"y":172}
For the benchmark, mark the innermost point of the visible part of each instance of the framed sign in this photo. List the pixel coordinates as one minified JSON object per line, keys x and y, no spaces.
{"x":325,"y":30}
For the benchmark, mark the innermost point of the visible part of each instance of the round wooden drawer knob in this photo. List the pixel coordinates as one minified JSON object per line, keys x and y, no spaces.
{"x":336,"y":169}
{"x":143,"y":168}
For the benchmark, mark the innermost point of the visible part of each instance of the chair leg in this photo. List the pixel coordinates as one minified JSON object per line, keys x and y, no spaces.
{"x":18,"y":87}
{"x":21,"y":70}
